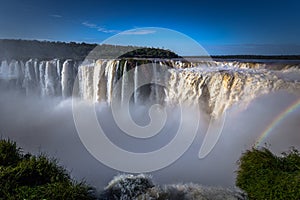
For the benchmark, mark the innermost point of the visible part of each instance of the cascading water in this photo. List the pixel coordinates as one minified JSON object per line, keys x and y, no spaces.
{"x":216,"y":88}
{"x":50,"y":78}
{"x":42,"y":67}
{"x":4,"y":68}
{"x":100,"y":82}
{"x":136,"y":79}
{"x":214,"y":85}
{"x":30,"y":77}
{"x":110,"y":74}
{"x":154,"y":87}
{"x":124,"y":82}
{"x":67,"y":78}
{"x":18,"y":74}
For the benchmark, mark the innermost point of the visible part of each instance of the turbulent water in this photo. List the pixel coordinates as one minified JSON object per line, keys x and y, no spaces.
{"x":215,"y":86}
{"x":36,"y":111}
{"x":142,"y":187}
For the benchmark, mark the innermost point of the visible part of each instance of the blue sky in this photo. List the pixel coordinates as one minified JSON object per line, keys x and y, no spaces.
{"x":222,"y":27}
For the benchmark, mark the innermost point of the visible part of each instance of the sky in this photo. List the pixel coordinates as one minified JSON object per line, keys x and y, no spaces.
{"x":221,"y":27}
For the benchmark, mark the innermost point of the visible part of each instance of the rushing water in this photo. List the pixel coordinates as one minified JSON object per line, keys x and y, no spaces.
{"x":214,"y":85}
{"x":34,"y":113}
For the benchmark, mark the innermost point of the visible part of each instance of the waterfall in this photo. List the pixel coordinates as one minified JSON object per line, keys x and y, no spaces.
{"x":110,"y":74}
{"x":99,"y":81}
{"x":117,"y":71}
{"x":42,"y":66}
{"x":29,"y":77}
{"x":154,"y":87}
{"x":36,"y":72}
{"x":124,"y":82}
{"x":50,"y":78}
{"x":18,"y":72}
{"x":67,"y":78}
{"x":217,"y":90}
{"x":59,"y":78}
{"x":214,"y":85}
{"x":86,"y":82}
{"x":117,"y":90}
{"x":136,"y":79}
{"x":4,"y":70}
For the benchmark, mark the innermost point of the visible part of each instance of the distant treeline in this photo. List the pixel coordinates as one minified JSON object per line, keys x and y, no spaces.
{"x":46,"y":50}
{"x":26,"y":49}
{"x":259,"y":57}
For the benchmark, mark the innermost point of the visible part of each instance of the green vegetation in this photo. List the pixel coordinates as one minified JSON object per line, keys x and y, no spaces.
{"x":259,"y":57}
{"x":45,"y":50}
{"x":150,"y":53}
{"x":261,"y":174}
{"x":36,"y":177}
{"x":264,"y":175}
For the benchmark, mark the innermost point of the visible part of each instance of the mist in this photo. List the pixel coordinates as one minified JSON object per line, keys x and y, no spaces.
{"x":46,"y":125}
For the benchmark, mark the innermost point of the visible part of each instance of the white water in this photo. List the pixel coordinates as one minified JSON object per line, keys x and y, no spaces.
{"x":216,"y":88}
{"x":110,"y":73}
{"x":42,"y":66}
{"x":215,"y":85}
{"x":124,"y":82}
{"x":47,"y":124}
{"x":136,"y":82}
{"x":67,"y":78}
{"x":50,"y":78}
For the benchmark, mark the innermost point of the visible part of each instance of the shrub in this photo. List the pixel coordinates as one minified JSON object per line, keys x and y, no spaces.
{"x":57,"y":190}
{"x":264,"y":175}
{"x":34,"y":171}
{"x":9,"y":153}
{"x":36,"y":177}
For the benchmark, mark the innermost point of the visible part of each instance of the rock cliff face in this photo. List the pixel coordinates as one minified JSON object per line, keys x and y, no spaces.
{"x":214,"y":85}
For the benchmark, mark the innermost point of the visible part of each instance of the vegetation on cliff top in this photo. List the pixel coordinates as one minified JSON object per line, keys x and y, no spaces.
{"x":45,"y":50}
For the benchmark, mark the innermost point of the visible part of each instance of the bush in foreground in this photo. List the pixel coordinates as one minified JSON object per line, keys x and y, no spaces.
{"x":10,"y":154}
{"x":35,"y":177}
{"x":264,"y":175}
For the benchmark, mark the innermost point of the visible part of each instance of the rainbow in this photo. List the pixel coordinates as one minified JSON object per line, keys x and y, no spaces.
{"x":274,"y":122}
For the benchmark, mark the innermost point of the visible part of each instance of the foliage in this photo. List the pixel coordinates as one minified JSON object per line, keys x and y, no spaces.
{"x":35,"y":177}
{"x":9,"y":153}
{"x":150,"y":53}
{"x":26,"y":49}
{"x":44,"y":50}
{"x":57,"y":190}
{"x":264,"y":175}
